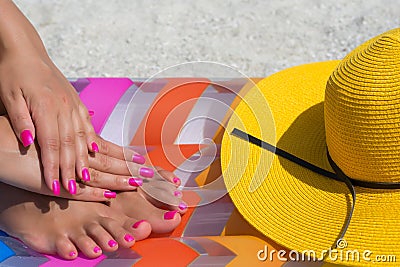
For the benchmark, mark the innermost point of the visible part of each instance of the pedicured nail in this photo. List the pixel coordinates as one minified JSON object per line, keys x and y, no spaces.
{"x":135,"y":181}
{"x":129,"y":238}
{"x":176,"y":180}
{"x":139,"y":159}
{"x":72,"y":254}
{"x":72,"y":187}
{"x":26,"y":138}
{"x":85,"y":175}
{"x":91,"y":113}
{"x":182,"y":206}
{"x":56,"y":187}
{"x":96,"y":250}
{"x":177,"y":193}
{"x":170,"y":215}
{"x":95,"y":147}
{"x":146,"y":172}
{"x":110,"y":194}
{"x":112,"y":243}
{"x":136,"y":224}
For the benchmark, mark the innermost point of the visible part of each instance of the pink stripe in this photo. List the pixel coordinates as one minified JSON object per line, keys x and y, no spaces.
{"x":80,"y":261}
{"x":101,"y":96}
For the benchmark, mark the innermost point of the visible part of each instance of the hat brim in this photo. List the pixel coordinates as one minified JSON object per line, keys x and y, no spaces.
{"x":294,"y":206}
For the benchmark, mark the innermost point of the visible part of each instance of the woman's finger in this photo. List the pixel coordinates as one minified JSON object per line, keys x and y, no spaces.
{"x":67,"y":150}
{"x":113,"y":181}
{"x":46,"y":122}
{"x":82,"y":156}
{"x":20,"y":117}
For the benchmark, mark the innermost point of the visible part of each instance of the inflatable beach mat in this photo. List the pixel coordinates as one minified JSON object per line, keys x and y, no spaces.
{"x":176,"y":123}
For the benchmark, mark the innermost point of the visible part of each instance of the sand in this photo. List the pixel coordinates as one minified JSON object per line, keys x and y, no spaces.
{"x":137,"y":38}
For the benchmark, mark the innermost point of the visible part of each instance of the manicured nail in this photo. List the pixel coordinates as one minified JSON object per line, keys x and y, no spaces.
{"x":85,"y":175}
{"x":176,"y":180}
{"x":91,"y":113}
{"x":136,"y":224}
{"x":56,"y":187}
{"x":110,"y":194}
{"x":135,"y":181}
{"x":177,"y":193}
{"x":170,"y":215}
{"x":95,"y":147}
{"x":128,"y":238}
{"x":72,"y":187}
{"x":139,"y":159}
{"x":96,"y":250}
{"x":182,"y":206}
{"x":146,"y":172}
{"x":112,"y":243}
{"x":72,"y":254}
{"x":26,"y":138}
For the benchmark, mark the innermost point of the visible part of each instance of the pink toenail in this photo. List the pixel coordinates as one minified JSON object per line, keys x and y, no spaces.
{"x":182,"y":206}
{"x":26,"y":138}
{"x":96,"y":250}
{"x":170,"y":215}
{"x":139,"y":159}
{"x":146,"y":172}
{"x":72,"y":254}
{"x":176,"y":180}
{"x":136,"y":224}
{"x":135,"y":181}
{"x":177,"y":193}
{"x":95,"y":147}
{"x":72,"y":187}
{"x":110,"y":194}
{"x":85,"y":175}
{"x":112,"y":243}
{"x":129,"y":238}
{"x":91,"y":113}
{"x":56,"y":187}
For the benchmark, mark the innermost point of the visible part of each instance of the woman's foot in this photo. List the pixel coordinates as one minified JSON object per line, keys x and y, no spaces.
{"x":59,"y":226}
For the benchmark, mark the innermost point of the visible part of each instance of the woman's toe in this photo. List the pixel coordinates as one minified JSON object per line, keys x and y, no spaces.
{"x":120,"y":235}
{"x":140,"y":229}
{"x":65,"y":248}
{"x":87,"y":245}
{"x":102,"y":237}
{"x":164,"y":221}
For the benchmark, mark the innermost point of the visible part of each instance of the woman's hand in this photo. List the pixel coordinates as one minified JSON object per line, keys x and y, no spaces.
{"x":20,"y":167}
{"x":41,"y":103}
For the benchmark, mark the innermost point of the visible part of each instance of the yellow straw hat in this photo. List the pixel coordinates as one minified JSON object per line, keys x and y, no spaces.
{"x":321,"y":161}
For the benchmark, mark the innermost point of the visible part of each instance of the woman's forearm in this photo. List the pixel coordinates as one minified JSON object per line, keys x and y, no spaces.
{"x":16,"y":32}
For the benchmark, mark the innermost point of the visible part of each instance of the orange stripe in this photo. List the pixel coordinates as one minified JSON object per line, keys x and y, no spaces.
{"x":164,"y":252}
{"x":153,"y":129}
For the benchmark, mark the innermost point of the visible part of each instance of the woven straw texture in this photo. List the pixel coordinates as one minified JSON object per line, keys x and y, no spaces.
{"x":297,"y":208}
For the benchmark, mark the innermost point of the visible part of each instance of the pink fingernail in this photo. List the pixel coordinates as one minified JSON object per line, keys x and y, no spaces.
{"x":26,"y":138}
{"x":112,"y":243}
{"x":129,"y":238}
{"x":182,"y":206}
{"x":96,"y":250}
{"x":136,"y":224}
{"x":91,"y":113}
{"x":72,"y":254}
{"x":110,"y":194}
{"x":72,"y":187}
{"x":170,"y":215}
{"x":95,"y":147}
{"x":146,"y":172}
{"x":135,"y":181}
{"x":85,"y":175}
{"x":176,"y":180}
{"x":139,"y":159}
{"x":56,"y":187}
